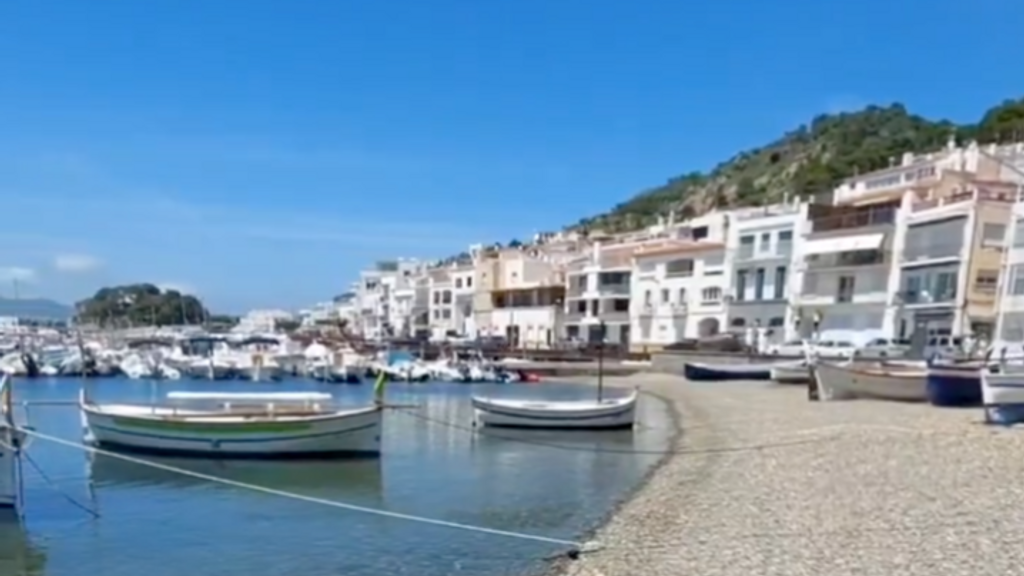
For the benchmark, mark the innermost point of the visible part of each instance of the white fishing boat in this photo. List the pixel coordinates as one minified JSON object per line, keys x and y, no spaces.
{"x":871,"y":380}
{"x":229,"y":425}
{"x":11,"y":439}
{"x":602,"y":413}
{"x":798,"y":373}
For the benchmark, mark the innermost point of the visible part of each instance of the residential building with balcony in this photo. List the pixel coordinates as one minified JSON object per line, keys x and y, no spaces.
{"x":844,"y":262}
{"x":597,"y":291}
{"x":517,"y":295}
{"x":451,"y":300}
{"x":761,"y":241}
{"x":678,"y":291}
{"x":1010,"y":309}
{"x":952,"y":254}
{"x":386,"y":296}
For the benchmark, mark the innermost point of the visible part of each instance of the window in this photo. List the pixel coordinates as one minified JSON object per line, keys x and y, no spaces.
{"x":780,"y":282}
{"x":446,"y":297}
{"x":776,"y":322}
{"x":766,"y":242}
{"x":458,"y":282}
{"x":741,"y":285}
{"x":738,"y":322}
{"x":446,"y":313}
{"x":647,"y":298}
{"x":759,"y":284}
{"x":682,"y":296}
{"x":993,"y":234}
{"x":746,"y":247}
{"x":665,"y":296}
{"x":679,"y":268}
{"x":711,"y":295}
{"x":845,"y":291}
{"x":1018,"y":233}
{"x":469,"y":282}
{"x":437,"y":297}
{"x":620,"y":305}
{"x":699,"y":233}
{"x":986,"y":281}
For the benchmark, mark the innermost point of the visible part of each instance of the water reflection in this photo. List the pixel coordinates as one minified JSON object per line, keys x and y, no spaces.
{"x":19,"y":556}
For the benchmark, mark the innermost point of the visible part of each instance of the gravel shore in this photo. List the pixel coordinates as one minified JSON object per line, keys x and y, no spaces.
{"x":765,"y":482}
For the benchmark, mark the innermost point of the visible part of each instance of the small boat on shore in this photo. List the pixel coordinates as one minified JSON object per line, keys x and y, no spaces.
{"x":700,"y":372}
{"x":236,"y":425}
{"x":797,"y":373}
{"x":954,"y":385}
{"x":870,"y":380}
{"x":603,"y":413}
{"x":1002,"y":392}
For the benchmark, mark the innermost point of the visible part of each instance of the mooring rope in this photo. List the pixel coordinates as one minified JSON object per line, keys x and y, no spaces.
{"x":578,"y":547}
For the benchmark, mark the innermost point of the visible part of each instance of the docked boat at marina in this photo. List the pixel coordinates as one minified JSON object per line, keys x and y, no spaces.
{"x":236,"y":425}
{"x":870,"y":380}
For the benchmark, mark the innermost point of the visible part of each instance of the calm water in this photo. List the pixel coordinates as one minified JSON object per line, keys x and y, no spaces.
{"x":156,"y":523}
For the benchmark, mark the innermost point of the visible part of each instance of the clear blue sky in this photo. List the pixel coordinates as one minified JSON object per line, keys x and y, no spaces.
{"x":262,"y":152}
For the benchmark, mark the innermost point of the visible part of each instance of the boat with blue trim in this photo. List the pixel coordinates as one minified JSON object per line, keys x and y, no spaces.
{"x":697,"y":371}
{"x":236,"y":425}
{"x":954,"y":385}
{"x":602,"y":413}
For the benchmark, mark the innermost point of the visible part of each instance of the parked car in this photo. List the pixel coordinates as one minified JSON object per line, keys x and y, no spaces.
{"x":788,"y":348}
{"x":834,"y":348}
{"x":885,"y":348}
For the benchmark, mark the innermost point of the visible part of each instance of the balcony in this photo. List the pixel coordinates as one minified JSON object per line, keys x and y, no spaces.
{"x":780,"y":250}
{"x":834,"y":218}
{"x":857,"y":259}
{"x":614,"y":289}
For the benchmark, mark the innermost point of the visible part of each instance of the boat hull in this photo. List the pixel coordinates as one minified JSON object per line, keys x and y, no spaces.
{"x":859,"y":381}
{"x":619,"y":415}
{"x":1003,"y":396}
{"x":350,"y":433}
{"x":791,"y":374}
{"x":954,"y":387}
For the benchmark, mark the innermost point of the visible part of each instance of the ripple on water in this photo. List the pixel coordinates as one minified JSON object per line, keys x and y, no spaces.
{"x":555,"y":484}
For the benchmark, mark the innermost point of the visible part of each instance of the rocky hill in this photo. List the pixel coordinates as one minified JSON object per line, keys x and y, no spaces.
{"x":140,"y":305}
{"x":811,"y":159}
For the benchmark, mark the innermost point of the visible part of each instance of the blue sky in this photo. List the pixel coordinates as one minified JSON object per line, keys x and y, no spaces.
{"x":261,"y":152}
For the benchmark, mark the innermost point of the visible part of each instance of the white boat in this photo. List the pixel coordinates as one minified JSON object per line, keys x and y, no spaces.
{"x":226,"y":425}
{"x":864,"y":380}
{"x":791,"y":373}
{"x":604,"y":413}
{"x":10,"y":440}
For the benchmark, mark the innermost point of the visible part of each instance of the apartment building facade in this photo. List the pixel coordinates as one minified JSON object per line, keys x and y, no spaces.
{"x":597,"y":294}
{"x":761,"y":241}
{"x":386,"y":297}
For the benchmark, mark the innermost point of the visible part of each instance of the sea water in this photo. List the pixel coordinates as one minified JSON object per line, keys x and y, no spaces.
{"x":433,"y":464}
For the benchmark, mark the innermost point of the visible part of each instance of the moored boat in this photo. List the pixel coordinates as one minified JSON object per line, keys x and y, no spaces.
{"x":236,"y":425}
{"x":10,"y":440}
{"x":1002,"y":394}
{"x":869,"y":380}
{"x":603,"y":413}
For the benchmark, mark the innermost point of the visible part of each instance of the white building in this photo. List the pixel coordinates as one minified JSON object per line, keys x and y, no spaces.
{"x":262,"y":321}
{"x":761,"y":242}
{"x":680,"y":286}
{"x":519,"y":296}
{"x":387,"y":299}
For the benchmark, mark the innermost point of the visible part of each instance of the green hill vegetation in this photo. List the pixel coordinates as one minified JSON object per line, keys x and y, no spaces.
{"x":811,"y":159}
{"x":140,"y":305}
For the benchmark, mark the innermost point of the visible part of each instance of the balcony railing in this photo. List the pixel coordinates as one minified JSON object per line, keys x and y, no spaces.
{"x":614,"y":289}
{"x":852,"y":220}
{"x":780,"y":250}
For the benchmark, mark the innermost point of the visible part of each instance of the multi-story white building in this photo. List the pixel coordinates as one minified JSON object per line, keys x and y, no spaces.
{"x":387,"y":296}
{"x":761,"y":242}
{"x":262,"y":321}
{"x":680,"y":283}
{"x":519,"y":296}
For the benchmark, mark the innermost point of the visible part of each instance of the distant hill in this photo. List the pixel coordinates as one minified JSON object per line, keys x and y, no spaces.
{"x":35,"y":309}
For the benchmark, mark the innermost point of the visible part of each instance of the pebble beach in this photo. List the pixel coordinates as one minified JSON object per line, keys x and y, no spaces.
{"x":764,"y":482}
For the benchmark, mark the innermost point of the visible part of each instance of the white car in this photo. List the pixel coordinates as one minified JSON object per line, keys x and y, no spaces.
{"x":834,"y":348}
{"x":788,"y":348}
{"x":885,"y":348}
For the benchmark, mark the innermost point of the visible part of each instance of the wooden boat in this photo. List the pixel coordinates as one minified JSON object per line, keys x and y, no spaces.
{"x":1002,"y":394}
{"x":864,"y":380}
{"x":11,"y":440}
{"x":602,"y":413}
{"x":797,"y":373}
{"x":697,"y":371}
{"x":236,"y":425}
{"x":954,"y":385}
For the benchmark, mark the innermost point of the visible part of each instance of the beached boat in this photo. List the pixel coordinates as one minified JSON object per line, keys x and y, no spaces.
{"x":797,"y":373}
{"x":604,"y":413}
{"x":1002,"y":393}
{"x":11,"y":439}
{"x":954,"y":385}
{"x":698,"y":371}
{"x":236,"y":425}
{"x":870,"y":380}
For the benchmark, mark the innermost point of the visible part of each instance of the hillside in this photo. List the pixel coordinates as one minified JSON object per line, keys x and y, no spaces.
{"x":35,"y":309}
{"x":140,"y":305}
{"x":812,"y":158}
